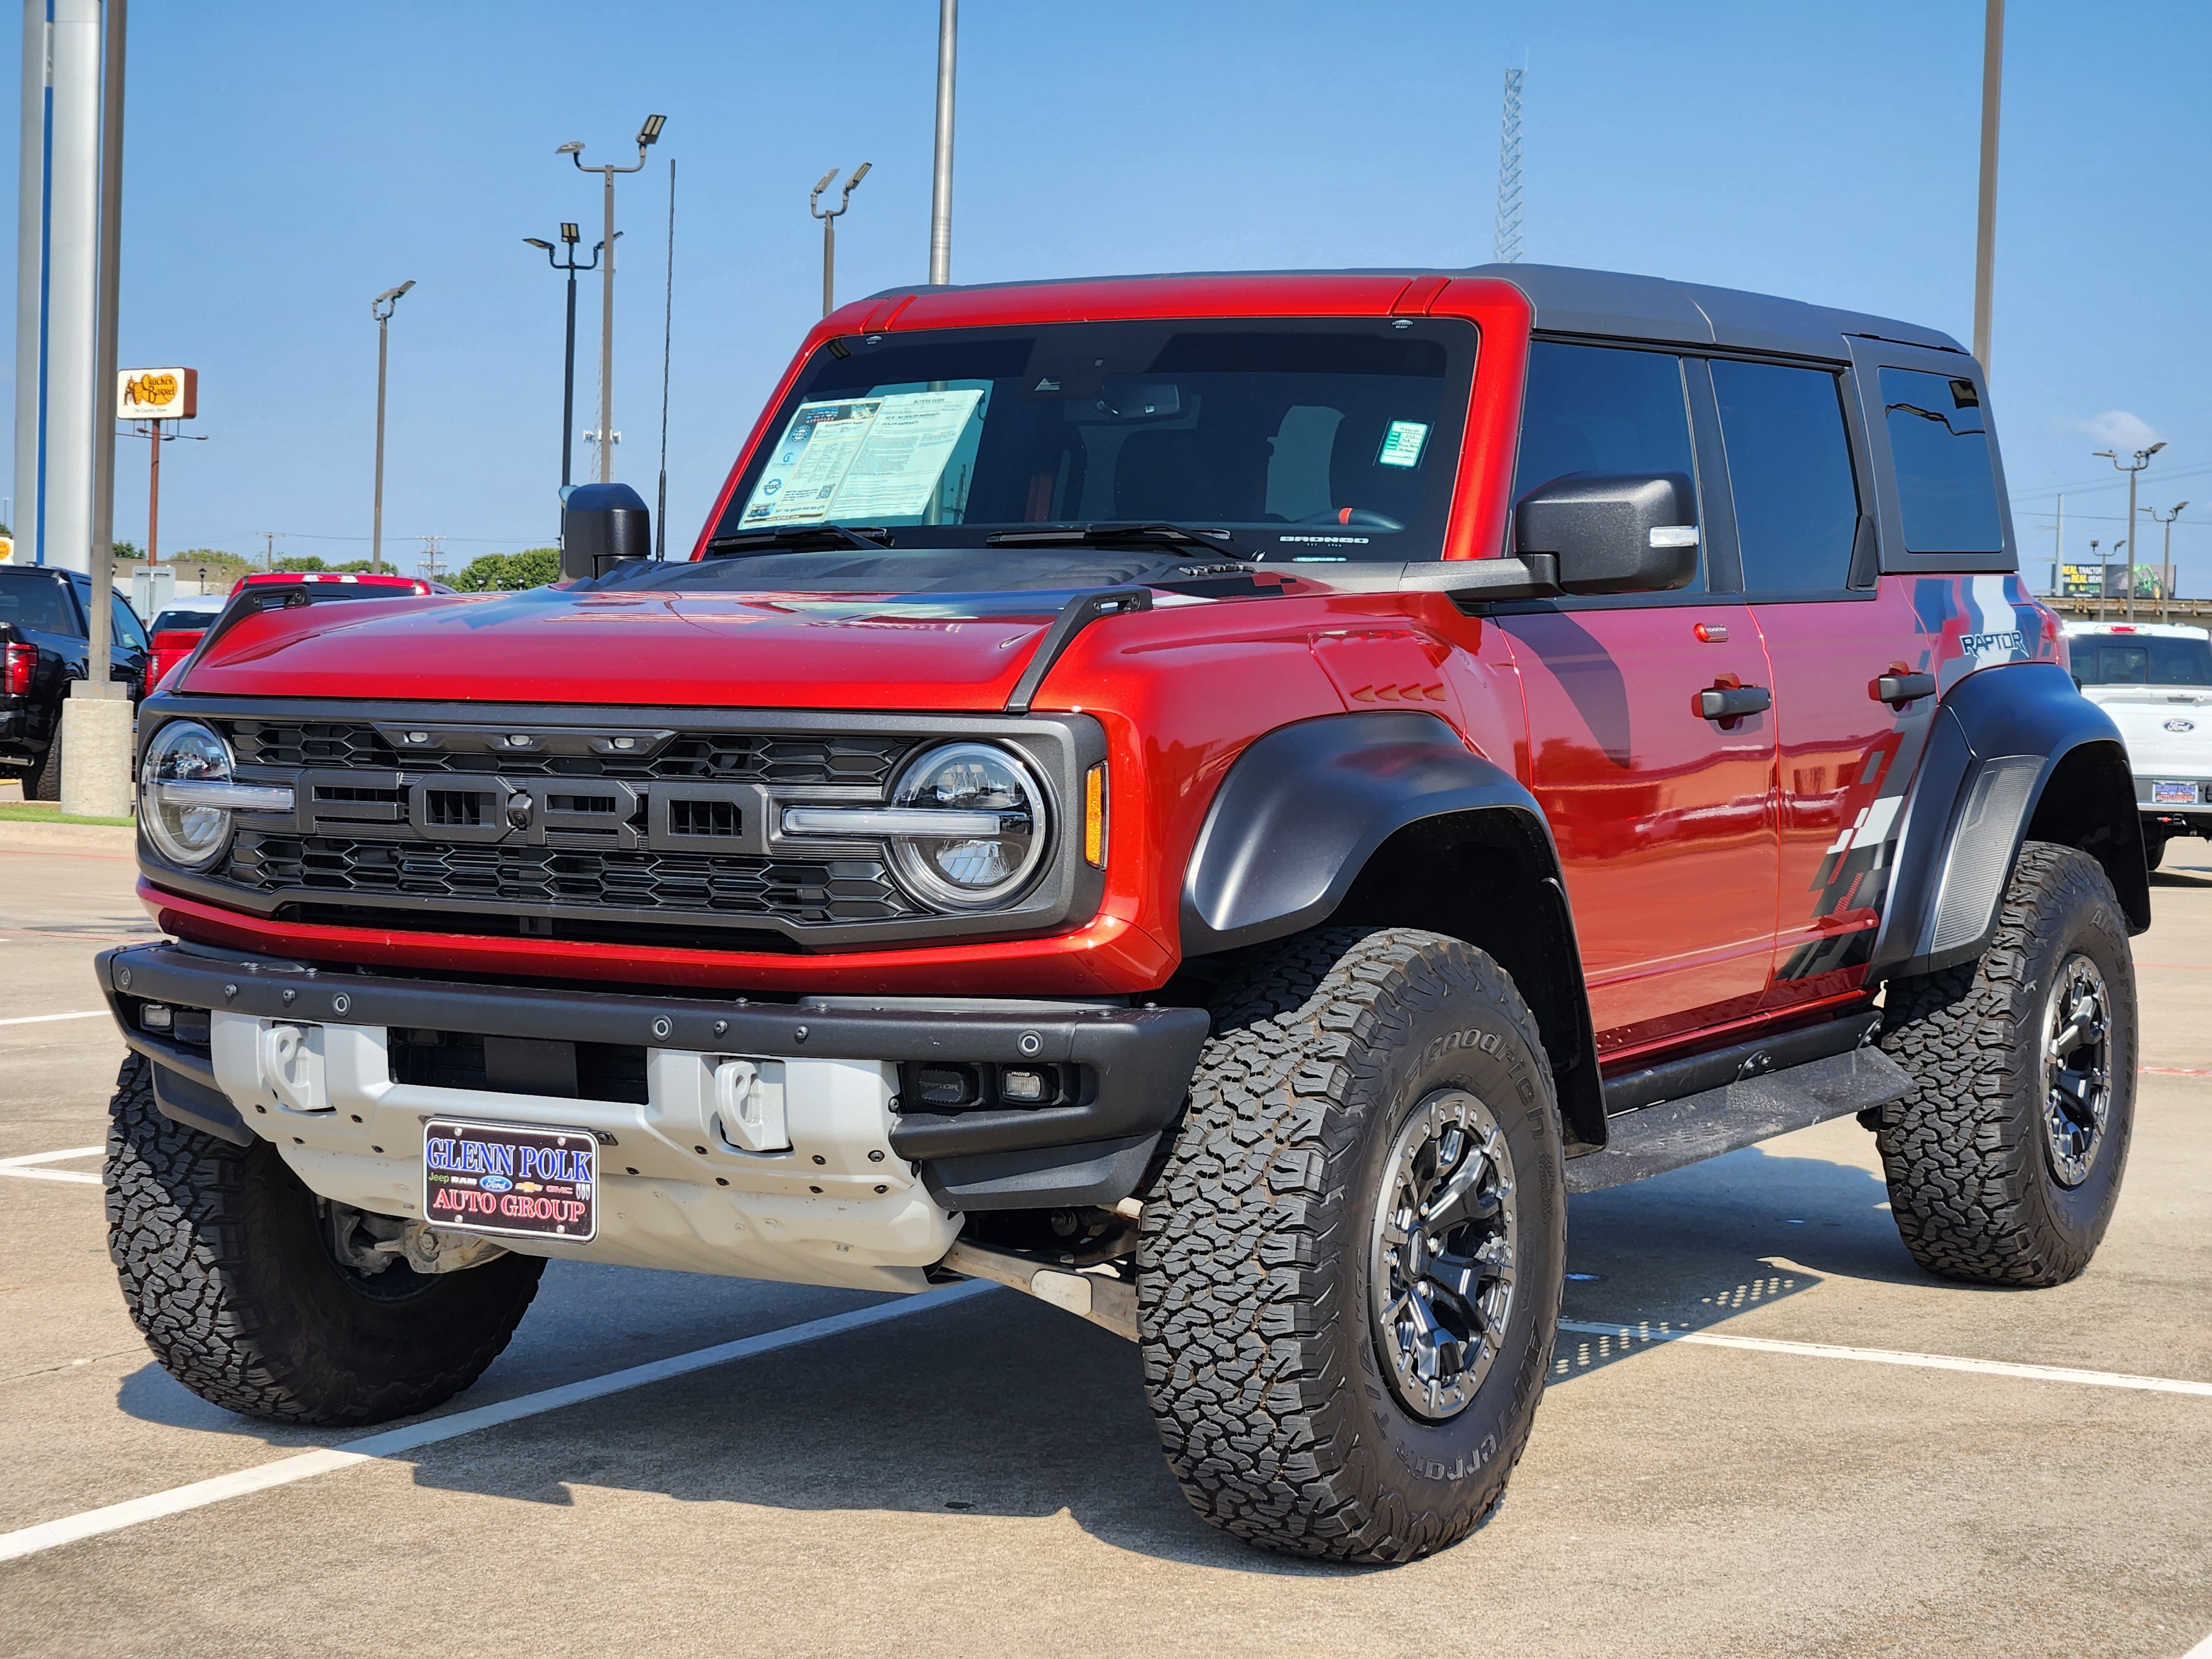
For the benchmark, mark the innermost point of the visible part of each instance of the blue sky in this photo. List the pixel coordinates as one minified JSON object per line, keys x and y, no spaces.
{"x":286,"y":162}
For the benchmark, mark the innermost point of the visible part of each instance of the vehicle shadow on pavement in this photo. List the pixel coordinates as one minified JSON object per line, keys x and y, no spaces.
{"x":1692,"y":1249}
{"x":1001,"y":1406}
{"x":998,"y":1407}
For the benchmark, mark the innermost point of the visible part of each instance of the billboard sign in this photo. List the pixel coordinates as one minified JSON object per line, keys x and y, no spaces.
{"x":157,"y":394}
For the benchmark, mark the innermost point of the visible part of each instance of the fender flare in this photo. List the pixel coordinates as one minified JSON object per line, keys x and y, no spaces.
{"x":1998,"y":740}
{"x":1304,"y":808}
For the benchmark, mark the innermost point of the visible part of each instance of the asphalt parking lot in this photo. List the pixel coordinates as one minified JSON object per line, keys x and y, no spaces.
{"x":977,"y":1474}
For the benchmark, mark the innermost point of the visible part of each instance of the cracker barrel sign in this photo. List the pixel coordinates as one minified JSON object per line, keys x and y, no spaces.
{"x":157,"y":394}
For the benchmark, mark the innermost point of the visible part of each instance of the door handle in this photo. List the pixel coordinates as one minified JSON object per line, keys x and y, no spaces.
{"x":1899,"y":687}
{"x":1732,"y":703}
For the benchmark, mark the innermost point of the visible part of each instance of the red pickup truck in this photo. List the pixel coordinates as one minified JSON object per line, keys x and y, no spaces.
{"x":1218,"y":801}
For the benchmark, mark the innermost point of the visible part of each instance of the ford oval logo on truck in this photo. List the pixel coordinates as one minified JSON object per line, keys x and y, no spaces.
{"x":2181,"y":726}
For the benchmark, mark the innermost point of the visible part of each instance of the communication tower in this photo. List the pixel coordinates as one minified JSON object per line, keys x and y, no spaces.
{"x":1505,"y":243}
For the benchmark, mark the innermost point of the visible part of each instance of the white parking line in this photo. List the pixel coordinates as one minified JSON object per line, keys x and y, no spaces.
{"x":2202,"y":1651}
{"x":47,"y":1019}
{"x":1939,"y":1362}
{"x":20,"y":1166}
{"x":394,"y":1442}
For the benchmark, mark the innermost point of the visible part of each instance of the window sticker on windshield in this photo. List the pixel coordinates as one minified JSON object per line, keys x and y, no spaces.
{"x":861,"y":458}
{"x":1401,"y":444}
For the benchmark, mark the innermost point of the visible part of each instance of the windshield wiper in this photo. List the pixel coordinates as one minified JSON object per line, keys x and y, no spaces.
{"x":1117,"y":535}
{"x":790,"y":537}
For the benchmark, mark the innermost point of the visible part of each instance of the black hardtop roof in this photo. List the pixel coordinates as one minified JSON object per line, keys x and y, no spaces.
{"x":1570,"y":300}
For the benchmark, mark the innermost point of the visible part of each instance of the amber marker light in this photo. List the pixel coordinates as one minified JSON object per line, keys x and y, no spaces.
{"x":1093,"y":815}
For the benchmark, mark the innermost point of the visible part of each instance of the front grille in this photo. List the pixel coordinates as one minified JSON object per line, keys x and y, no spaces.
{"x":809,"y":892}
{"x":631,"y":825}
{"x":789,"y":760}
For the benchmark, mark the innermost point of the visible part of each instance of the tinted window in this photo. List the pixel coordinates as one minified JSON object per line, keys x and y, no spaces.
{"x":2103,"y":659}
{"x":181,"y":621}
{"x":128,"y":630}
{"x":1947,"y":490}
{"x":38,"y":602}
{"x":1789,"y":467}
{"x":1599,"y":408}
{"x":1328,"y":439}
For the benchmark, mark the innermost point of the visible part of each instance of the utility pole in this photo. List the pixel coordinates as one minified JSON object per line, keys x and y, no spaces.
{"x":381,"y":309}
{"x":2142,"y":461}
{"x":2166,"y":560}
{"x":647,"y":135}
{"x":829,"y":218}
{"x":2104,"y":581}
{"x":1505,"y":233}
{"x":941,"y":173}
{"x":430,"y":567}
{"x":268,"y":548}
{"x":1985,"y":220}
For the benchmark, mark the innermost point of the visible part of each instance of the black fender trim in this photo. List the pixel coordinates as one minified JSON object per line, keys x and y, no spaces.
{"x":1293,"y":838}
{"x":1999,"y":739}
{"x":1305,"y":807}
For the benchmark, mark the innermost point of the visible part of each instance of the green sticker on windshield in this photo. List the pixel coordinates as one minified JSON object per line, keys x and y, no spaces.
{"x":1401,"y":444}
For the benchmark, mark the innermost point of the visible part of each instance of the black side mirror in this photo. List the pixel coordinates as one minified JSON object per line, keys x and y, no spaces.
{"x":1612,"y":532}
{"x":600,"y":523}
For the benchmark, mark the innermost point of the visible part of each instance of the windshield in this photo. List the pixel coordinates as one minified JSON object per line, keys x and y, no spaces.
{"x":178,"y":620}
{"x":2140,"y":660}
{"x":1325,"y":439}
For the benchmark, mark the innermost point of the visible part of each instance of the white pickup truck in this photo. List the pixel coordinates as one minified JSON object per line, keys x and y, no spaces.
{"x":2154,"y":679}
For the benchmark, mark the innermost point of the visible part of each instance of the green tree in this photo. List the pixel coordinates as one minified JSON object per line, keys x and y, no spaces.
{"x":302,"y":564}
{"x":507,"y":573}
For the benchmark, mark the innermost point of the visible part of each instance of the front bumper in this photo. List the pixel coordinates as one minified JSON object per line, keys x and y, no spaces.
{"x":1128,"y":1068}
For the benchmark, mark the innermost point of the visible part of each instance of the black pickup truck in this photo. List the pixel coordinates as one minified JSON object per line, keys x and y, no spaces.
{"x":45,"y":646}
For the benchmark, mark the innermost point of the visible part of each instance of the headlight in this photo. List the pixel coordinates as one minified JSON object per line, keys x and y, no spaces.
{"x":992,"y":854}
{"x":192,"y":834}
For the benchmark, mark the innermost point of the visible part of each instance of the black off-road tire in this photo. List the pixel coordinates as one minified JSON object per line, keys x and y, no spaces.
{"x":220,"y":1252}
{"x":1973,"y":1182}
{"x":2154,"y":847}
{"x":1261,"y":1363}
{"x":45,"y":782}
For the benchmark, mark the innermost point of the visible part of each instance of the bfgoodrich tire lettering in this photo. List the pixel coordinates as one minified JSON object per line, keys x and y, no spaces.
{"x":1984,"y":1187}
{"x":1262,"y":1364}
{"x":221,"y":1255}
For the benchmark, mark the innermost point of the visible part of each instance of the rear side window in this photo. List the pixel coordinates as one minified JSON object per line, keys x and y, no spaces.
{"x":38,"y":603}
{"x":1947,"y":491}
{"x":1790,"y":468}
{"x":2142,"y":660}
{"x":1601,"y":409}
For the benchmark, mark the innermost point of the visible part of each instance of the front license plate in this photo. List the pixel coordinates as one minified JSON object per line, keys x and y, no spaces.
{"x":495,"y":1178}
{"x":2172,"y":794}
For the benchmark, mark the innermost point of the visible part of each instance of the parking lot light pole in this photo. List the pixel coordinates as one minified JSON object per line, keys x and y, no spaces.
{"x":569,"y":237}
{"x":941,"y":173}
{"x":381,"y":309}
{"x":647,"y":135}
{"x":829,"y":218}
{"x":2166,"y":560}
{"x":2142,"y":461}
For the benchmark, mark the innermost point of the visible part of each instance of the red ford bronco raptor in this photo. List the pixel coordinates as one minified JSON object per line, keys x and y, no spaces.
{"x":1216,"y":800}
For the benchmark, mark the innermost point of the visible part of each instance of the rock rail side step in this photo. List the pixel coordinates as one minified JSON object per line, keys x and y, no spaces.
{"x":1654,"y":1140}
